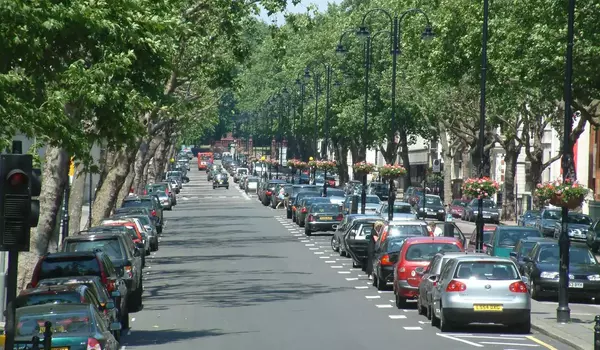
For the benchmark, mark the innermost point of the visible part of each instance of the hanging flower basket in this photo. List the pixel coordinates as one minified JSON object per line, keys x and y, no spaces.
{"x":293,"y":163}
{"x":273,"y":162}
{"x":480,"y":188}
{"x":559,"y":193}
{"x":326,"y":165}
{"x":301,"y":165}
{"x":363,"y":167}
{"x":312,"y":163}
{"x":392,"y":171}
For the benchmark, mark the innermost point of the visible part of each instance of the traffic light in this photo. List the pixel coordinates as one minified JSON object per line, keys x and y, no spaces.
{"x":15,"y":201}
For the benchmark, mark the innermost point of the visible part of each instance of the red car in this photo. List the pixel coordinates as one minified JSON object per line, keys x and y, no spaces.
{"x":418,"y":252}
{"x":457,"y":208}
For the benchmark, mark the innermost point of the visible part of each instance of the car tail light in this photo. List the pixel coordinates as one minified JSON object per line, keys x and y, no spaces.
{"x":340,"y":217}
{"x":127,"y":272}
{"x":145,"y":192}
{"x":311,"y":218}
{"x":385,"y":260}
{"x":293,"y":208}
{"x":303,"y":210}
{"x":153,"y":212}
{"x":110,"y":286}
{"x":456,"y":286}
{"x":93,"y":344}
{"x":518,"y":287}
{"x":268,"y":193}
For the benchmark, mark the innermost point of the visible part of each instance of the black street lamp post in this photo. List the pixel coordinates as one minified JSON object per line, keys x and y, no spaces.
{"x":563,"y":312}
{"x":481,"y":144}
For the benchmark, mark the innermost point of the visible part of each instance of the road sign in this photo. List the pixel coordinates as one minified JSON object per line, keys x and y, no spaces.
{"x":437,"y":166}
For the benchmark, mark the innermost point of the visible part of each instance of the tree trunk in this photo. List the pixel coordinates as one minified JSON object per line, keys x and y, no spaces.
{"x":126,"y":187}
{"x":76,"y":199}
{"x":510,"y":162}
{"x":448,"y":161}
{"x":535,"y":177}
{"x":153,"y":165}
{"x":107,"y":194}
{"x":55,"y":172}
{"x":356,"y":158}
{"x":405,"y":158}
{"x":341,"y":157}
{"x":145,"y":172}
{"x":145,"y":152}
{"x":105,"y":162}
{"x":160,"y":161}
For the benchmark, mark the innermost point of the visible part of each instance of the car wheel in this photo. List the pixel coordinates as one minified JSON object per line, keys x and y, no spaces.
{"x":381,"y":285}
{"x":293,"y":218}
{"x":227,"y":187}
{"x":420,"y":308}
{"x":523,"y":327}
{"x":374,"y":283}
{"x":307,"y":231}
{"x":428,"y":312}
{"x":400,"y":301}
{"x":288,"y":214}
{"x":341,"y":250}
{"x":445,"y":326}
{"x":214,"y":187}
{"x":125,"y":317}
{"x":333,"y":246}
{"x":355,"y":264}
{"x":435,"y":322}
{"x":534,"y":290}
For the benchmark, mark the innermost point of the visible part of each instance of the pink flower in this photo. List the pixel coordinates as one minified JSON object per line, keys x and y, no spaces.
{"x":485,"y":194}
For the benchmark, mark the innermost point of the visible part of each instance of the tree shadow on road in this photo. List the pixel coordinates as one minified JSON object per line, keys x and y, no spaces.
{"x":166,"y":336}
{"x":214,"y":241}
{"x":186,"y":259}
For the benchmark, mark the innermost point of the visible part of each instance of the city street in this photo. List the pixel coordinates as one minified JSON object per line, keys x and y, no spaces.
{"x":233,"y":274}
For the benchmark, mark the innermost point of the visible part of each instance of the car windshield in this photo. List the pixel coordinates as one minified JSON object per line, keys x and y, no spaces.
{"x":74,"y":323}
{"x":204,"y":157}
{"x":381,"y":187}
{"x":509,"y":238}
{"x":173,"y":173}
{"x":459,"y":202}
{"x":48,"y":298}
{"x":488,"y":204}
{"x":311,"y":201}
{"x":326,"y":208}
{"x":430,"y":200}
{"x":408,"y":230}
{"x":68,"y":267}
{"x":144,"y":203}
{"x":486,"y":270}
{"x":579,"y":219}
{"x":532,"y":214}
{"x":111,"y":247}
{"x":426,"y":251}
{"x":552,"y":215}
{"x":395,"y":244}
{"x":373,"y":200}
{"x":549,"y":254}
{"x":335,"y":193}
{"x":403,"y":209}
{"x":526,"y":247}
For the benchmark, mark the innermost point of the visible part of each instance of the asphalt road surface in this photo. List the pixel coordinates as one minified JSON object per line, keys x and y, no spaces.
{"x":231,"y":274}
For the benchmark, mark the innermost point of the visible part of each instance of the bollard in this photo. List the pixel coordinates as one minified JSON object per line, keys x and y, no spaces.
{"x":597,"y":333}
{"x":47,"y":335}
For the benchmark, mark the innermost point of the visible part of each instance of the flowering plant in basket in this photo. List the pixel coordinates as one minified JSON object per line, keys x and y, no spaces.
{"x":293,"y":163}
{"x":392,"y":171}
{"x":560,"y":193}
{"x":301,"y":165}
{"x":363,"y":167}
{"x":326,"y":165}
{"x":480,"y":188}
{"x":273,"y":162}
{"x":312,"y":163}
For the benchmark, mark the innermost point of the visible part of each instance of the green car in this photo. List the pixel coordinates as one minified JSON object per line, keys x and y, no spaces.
{"x":505,"y":237}
{"x":74,"y":327}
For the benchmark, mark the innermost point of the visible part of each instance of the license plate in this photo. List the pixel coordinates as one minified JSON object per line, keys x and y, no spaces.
{"x":59,"y":329}
{"x":326,"y":218}
{"x":494,"y":308}
{"x":61,"y":348}
{"x":575,"y":284}
{"x":486,"y":217}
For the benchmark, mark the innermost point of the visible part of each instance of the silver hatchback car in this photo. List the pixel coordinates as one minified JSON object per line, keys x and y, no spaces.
{"x":480,"y":289}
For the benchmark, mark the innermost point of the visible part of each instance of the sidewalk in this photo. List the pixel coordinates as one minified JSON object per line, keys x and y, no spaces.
{"x":579,"y":333}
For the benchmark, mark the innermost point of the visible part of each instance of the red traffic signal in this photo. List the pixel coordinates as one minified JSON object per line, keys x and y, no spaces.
{"x":17,"y":179}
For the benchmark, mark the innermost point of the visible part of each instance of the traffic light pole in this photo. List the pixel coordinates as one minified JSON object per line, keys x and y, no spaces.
{"x":65,"y":216}
{"x":11,"y":295}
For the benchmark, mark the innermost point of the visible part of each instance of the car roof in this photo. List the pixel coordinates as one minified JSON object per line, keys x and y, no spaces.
{"x":516,"y":228}
{"x":53,"y":308}
{"x":94,"y":236}
{"x":72,"y":279}
{"x":536,"y":239}
{"x":434,"y":239}
{"x":52,"y":288}
{"x":459,"y":254}
{"x":407,"y":222}
{"x":481,"y":257}
{"x":354,"y":216}
{"x":61,"y":255}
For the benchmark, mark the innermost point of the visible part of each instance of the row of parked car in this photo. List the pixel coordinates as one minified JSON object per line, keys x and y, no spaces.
{"x":88,"y":289}
{"x":436,"y":264}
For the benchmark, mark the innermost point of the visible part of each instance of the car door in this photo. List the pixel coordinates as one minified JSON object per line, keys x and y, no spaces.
{"x":426,"y":285}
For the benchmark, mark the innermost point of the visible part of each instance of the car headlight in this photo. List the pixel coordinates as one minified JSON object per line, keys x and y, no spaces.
{"x":549,"y":275}
{"x":441,"y":210}
{"x":594,"y":277}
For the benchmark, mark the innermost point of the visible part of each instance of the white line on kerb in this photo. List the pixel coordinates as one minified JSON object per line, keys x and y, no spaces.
{"x":396,"y":317}
{"x":460,"y":340}
{"x":372,"y":296}
{"x":413,"y":328}
{"x":384,"y":306}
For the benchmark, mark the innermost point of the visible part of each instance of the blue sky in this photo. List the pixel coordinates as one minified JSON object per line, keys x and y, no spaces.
{"x":301,"y":7}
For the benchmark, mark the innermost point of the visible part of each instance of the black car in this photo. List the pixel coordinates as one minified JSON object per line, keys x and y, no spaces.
{"x":379,"y":189}
{"x":356,"y":240}
{"x":267,"y":189}
{"x":221,"y":180}
{"x":541,"y":269}
{"x":523,"y":248}
{"x":322,"y":217}
{"x":578,"y":226}
{"x":386,"y":255}
{"x":152,"y":203}
{"x":94,"y":283}
{"x":294,"y":191}
{"x":69,"y":294}
{"x":124,"y":256}
{"x":431,"y":207}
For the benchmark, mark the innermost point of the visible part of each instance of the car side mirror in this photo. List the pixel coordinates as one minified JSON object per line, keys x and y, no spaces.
{"x":487,"y":245}
{"x":115,"y":294}
{"x":420,"y":270}
{"x":148,"y":228}
{"x":110,"y":305}
{"x":513,"y":254}
{"x":115,"y":326}
{"x":433,"y":278}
